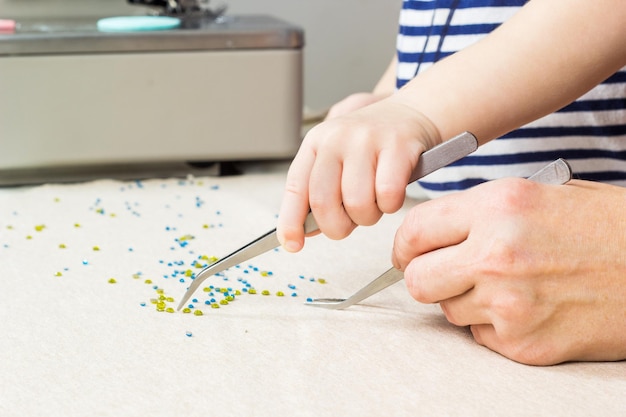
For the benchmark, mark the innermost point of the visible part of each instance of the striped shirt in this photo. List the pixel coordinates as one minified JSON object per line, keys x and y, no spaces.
{"x":589,"y":133}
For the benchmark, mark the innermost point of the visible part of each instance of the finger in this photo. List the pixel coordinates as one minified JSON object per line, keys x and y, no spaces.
{"x":485,"y":335}
{"x":465,"y":309}
{"x":295,"y":204}
{"x":325,"y":197}
{"x":393,"y":171}
{"x":358,"y":189}
{"x":439,"y":275}
{"x":435,"y":224}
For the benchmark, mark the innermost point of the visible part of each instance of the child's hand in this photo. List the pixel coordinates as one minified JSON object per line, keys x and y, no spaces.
{"x":353,"y":168}
{"x":537,"y":271}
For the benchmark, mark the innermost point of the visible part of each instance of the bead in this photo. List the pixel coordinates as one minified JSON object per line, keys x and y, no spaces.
{"x":148,"y":281}
{"x":215,"y":305}
{"x":223,"y":302}
{"x":251,"y":291}
{"x":112,"y":281}
{"x":321,"y":281}
{"x":62,"y":246}
{"x":58,"y":274}
{"x":188,"y":334}
{"x":186,"y":310}
{"x":40,"y":227}
{"x":197,"y":313}
{"x":265,"y":292}
{"x":96,"y":248}
{"x":169,"y":310}
{"x":280,"y":294}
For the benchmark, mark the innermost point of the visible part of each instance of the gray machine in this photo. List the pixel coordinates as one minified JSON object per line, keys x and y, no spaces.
{"x":218,"y":88}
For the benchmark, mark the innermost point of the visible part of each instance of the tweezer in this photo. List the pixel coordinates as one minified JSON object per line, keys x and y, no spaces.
{"x":430,"y":161}
{"x":555,"y":173}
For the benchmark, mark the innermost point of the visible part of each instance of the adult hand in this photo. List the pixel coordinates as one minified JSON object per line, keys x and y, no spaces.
{"x":351,"y":169}
{"x":537,"y":271}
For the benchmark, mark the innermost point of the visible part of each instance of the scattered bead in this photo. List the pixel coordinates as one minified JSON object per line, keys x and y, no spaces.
{"x":58,"y":274}
{"x":186,"y":310}
{"x":62,"y":246}
{"x":280,"y":294}
{"x":197,"y":313}
{"x":40,"y":227}
{"x":265,"y":292}
{"x":96,"y":248}
{"x":188,"y":334}
{"x":112,"y":281}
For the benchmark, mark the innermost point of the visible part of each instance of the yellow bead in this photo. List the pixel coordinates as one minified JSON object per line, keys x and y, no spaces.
{"x":186,"y":310}
{"x":251,"y":291}
{"x":96,"y":248}
{"x":40,"y":227}
{"x":223,"y":302}
{"x":170,"y":299}
{"x":112,"y":281}
{"x":58,"y":274}
{"x":62,"y":246}
{"x":321,"y":281}
{"x":169,"y":310}
{"x":215,"y":305}
{"x":197,"y":313}
{"x":280,"y":294}
{"x":148,"y":281}
{"x":265,"y":292}
{"x":264,"y":273}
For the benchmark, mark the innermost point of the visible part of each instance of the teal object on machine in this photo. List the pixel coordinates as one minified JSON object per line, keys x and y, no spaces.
{"x":137,"y":23}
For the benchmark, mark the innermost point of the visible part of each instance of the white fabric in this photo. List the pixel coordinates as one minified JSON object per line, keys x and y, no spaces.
{"x":76,"y":345}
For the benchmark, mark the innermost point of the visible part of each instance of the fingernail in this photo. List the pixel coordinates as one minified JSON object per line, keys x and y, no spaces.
{"x":291,"y":246}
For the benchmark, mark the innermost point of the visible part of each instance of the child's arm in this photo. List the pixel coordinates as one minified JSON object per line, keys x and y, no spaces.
{"x":351,"y":169}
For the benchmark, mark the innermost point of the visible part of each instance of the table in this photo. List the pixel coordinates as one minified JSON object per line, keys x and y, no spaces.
{"x":86,"y":268}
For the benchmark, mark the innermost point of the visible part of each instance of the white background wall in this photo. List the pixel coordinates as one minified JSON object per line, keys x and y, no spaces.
{"x":348,"y":42}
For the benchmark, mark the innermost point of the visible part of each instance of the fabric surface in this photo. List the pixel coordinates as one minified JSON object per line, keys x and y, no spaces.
{"x":74,"y":344}
{"x":590,"y":133}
